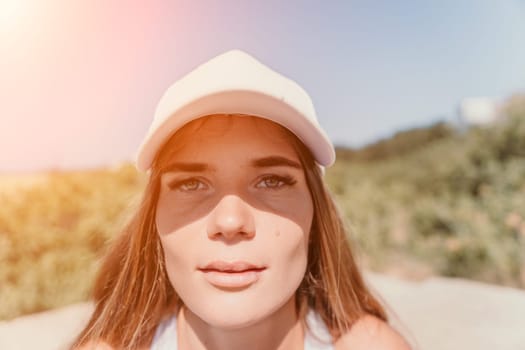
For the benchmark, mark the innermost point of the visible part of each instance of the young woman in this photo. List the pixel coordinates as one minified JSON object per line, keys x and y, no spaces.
{"x":237,"y":243}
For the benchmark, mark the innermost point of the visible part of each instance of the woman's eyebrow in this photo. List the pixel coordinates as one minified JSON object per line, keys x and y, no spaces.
{"x":275,"y":161}
{"x":186,"y":166}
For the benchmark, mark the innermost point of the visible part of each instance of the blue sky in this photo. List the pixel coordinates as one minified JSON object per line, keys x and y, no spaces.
{"x":81,"y":80}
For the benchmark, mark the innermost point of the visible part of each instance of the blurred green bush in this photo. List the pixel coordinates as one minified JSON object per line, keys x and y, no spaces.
{"x":454,"y":206}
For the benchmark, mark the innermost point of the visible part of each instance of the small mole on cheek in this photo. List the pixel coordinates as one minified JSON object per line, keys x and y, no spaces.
{"x":277,"y":233}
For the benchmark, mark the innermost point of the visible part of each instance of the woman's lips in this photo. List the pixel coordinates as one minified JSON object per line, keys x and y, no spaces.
{"x":232,"y":275}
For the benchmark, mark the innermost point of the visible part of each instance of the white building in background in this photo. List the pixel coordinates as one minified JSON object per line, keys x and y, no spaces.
{"x":479,"y":110}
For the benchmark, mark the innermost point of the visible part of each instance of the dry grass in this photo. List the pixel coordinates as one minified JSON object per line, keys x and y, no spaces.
{"x":53,"y":229}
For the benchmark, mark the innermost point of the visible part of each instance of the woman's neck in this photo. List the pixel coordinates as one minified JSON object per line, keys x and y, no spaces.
{"x":279,"y":331}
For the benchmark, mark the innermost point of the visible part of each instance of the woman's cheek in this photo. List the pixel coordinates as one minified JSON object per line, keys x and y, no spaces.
{"x":296,"y":207}
{"x":287,"y":244}
{"x":181,"y":245}
{"x":174,"y":214}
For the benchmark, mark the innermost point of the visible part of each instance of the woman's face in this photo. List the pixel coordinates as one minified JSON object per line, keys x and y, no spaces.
{"x":234,"y":216}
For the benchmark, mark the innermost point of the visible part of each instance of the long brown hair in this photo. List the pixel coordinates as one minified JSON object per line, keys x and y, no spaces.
{"x":132,"y":293}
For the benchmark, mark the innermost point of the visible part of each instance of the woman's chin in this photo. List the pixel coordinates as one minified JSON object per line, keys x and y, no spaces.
{"x":226,"y":316}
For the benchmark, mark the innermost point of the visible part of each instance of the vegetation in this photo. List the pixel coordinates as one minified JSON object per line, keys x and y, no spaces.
{"x":427,"y":201}
{"x":454,"y":206}
{"x":53,"y":233}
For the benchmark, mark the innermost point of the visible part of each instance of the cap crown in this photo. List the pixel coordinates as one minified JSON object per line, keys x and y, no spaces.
{"x":235,"y":82}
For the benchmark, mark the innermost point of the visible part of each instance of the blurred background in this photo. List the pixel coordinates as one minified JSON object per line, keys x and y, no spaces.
{"x":424,"y":100}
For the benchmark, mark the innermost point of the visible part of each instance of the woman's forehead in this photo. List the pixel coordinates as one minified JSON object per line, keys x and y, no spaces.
{"x":232,"y":133}
{"x":221,"y":123}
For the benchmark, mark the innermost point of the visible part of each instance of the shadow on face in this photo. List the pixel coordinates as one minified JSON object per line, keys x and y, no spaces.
{"x":224,"y":167}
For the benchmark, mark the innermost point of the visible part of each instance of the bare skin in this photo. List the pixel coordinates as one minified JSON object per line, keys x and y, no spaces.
{"x":284,"y":332}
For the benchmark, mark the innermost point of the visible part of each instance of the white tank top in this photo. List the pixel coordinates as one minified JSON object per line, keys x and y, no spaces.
{"x":316,"y":337}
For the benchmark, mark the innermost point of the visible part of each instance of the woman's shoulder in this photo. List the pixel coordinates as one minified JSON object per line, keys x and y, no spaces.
{"x":370,"y":332}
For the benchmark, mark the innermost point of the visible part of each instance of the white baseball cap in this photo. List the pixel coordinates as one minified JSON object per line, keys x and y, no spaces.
{"x":236,"y":83}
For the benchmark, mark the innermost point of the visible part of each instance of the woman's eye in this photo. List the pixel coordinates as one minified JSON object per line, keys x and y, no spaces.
{"x":188,"y":185}
{"x":275,"y":182}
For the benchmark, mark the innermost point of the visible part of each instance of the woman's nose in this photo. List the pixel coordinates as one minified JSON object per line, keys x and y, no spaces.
{"x":231,"y":218}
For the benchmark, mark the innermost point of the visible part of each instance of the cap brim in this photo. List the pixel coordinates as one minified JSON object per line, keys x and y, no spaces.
{"x":246,"y":102}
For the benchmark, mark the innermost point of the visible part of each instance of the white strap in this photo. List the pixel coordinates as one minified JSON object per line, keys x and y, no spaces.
{"x":166,"y":335}
{"x":317,"y":336}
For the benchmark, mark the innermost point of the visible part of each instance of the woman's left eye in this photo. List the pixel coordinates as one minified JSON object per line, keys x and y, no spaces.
{"x":274,"y":181}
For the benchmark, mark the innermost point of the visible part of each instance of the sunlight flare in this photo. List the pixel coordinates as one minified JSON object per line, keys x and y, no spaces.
{"x":11,"y":14}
